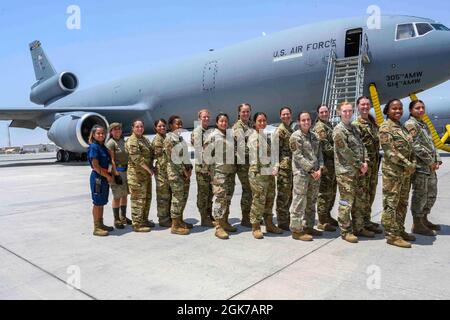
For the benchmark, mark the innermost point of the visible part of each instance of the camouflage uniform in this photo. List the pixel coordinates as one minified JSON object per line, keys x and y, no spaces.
{"x":140,"y":152}
{"x":368,"y":131}
{"x":241,"y":133}
{"x":177,"y":166}
{"x":204,"y":184}
{"x":349,"y":154}
{"x":328,"y":184}
{"x":260,"y":176}
{"x":284,"y":177}
{"x":398,"y":156}
{"x":424,"y":180}
{"x":117,"y":148}
{"x":306,"y":158}
{"x":217,"y":149}
{"x":163,"y":192}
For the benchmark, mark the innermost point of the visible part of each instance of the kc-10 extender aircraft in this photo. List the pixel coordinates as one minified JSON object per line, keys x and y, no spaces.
{"x":406,"y":55}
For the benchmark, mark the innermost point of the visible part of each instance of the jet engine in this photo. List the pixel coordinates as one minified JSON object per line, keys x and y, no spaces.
{"x":54,"y":88}
{"x":71,"y":131}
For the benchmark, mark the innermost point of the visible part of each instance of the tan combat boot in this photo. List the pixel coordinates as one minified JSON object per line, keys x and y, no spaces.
{"x":431,"y":225}
{"x":301,"y":236}
{"x":205,"y":220}
{"x":103,"y":227}
{"x":349,"y":237}
{"x":118,"y":222}
{"x":138,"y":226}
{"x":226,"y":225}
{"x":407,"y":236}
{"x":326,"y":227}
{"x":178,"y":227}
{"x":398,"y":242}
{"x":419,"y":227}
{"x":220,"y":231}
{"x":313,"y":232}
{"x":256,"y":231}
{"x":365,"y":233}
{"x":98,"y":231}
{"x":185,"y":224}
{"x":270,"y":227}
{"x":245,"y":221}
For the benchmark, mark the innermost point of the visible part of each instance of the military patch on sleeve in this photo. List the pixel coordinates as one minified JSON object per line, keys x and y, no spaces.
{"x":339,"y":141}
{"x":322,"y":135}
{"x":293,"y":145}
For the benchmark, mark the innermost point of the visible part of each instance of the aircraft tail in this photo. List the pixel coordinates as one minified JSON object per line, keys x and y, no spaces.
{"x":43,"y":68}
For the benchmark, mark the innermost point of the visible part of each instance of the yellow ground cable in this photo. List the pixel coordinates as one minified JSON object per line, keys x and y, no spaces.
{"x":438,"y":142}
{"x":376,"y":104}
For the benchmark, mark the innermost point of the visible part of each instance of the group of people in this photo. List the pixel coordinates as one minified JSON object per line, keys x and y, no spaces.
{"x":299,"y":170}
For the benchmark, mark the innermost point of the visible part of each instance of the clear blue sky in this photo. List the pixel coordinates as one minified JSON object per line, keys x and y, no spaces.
{"x":118,"y":38}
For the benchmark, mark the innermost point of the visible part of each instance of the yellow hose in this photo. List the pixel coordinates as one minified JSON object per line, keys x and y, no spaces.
{"x":376,"y":103}
{"x":438,"y":142}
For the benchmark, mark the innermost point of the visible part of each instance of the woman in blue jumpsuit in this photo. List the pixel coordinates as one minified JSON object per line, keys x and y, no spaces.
{"x":100,"y":160}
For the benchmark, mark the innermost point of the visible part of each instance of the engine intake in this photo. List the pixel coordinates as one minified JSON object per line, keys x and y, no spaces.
{"x":71,"y":131}
{"x":58,"y":86}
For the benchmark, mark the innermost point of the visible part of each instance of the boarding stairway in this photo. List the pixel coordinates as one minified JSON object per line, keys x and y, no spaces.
{"x":344,"y":80}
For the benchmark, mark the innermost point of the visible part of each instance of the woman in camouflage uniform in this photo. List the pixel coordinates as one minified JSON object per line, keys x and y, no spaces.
{"x":261,"y":174}
{"x":284,"y":167}
{"x":219,"y":160}
{"x":350,"y":163}
{"x":368,"y":131}
{"x":179,"y":170}
{"x":139,"y":175}
{"x":163,"y":194}
{"x":399,"y":164}
{"x":328,"y":184}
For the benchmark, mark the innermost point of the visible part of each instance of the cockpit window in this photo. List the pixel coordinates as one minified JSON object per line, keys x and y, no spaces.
{"x":423,"y":28}
{"x":405,"y":31}
{"x":440,"y":27}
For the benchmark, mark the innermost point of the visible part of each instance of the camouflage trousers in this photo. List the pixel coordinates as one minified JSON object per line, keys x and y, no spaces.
{"x":141,"y":197}
{"x":223,"y":188}
{"x":204,"y":194}
{"x":263,"y":190}
{"x":327,"y":193}
{"x":424,"y":193}
{"x":367,"y":186}
{"x":284,"y":195}
{"x":395,"y":202}
{"x":179,"y":195}
{"x":246,"y":199}
{"x":163,"y":196}
{"x":350,"y":218}
{"x":303,"y":210}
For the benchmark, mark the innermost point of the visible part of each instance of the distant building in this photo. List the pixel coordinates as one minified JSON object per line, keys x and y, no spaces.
{"x":37,"y":148}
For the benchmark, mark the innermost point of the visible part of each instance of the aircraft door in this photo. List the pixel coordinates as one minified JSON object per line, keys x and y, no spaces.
{"x":353,"y":42}
{"x":209,"y":76}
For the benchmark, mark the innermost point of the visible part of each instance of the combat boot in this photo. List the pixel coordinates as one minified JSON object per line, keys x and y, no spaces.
{"x":407,"y":236}
{"x":227,"y":226}
{"x":313,"y":232}
{"x":165,"y":224}
{"x":206,"y":220}
{"x":141,"y":228}
{"x":98,"y":231}
{"x":256,"y":231}
{"x":103,"y":227}
{"x":332,"y":221}
{"x":373,"y":228}
{"x":220,"y":231}
{"x":326,"y":227}
{"x":270,"y":227}
{"x":301,"y":236}
{"x":365,"y":233}
{"x":349,"y":237}
{"x":245,"y":221}
{"x":398,"y":242}
{"x":178,"y":227}
{"x":117,"y":222}
{"x":149,"y":223}
{"x":186,"y":225}
{"x":419,"y":227}
{"x":125,"y":220}
{"x":284,"y":226}
{"x":431,"y":225}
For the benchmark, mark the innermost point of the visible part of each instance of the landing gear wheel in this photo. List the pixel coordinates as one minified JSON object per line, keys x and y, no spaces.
{"x":67,"y":156}
{"x":60,"y":155}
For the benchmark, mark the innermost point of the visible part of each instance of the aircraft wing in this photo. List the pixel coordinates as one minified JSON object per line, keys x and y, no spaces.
{"x":26,"y":117}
